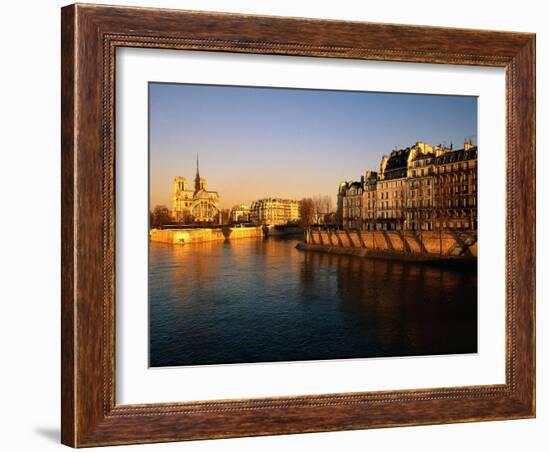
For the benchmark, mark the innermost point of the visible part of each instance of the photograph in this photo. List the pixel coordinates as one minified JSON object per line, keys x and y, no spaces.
{"x":290,"y":224}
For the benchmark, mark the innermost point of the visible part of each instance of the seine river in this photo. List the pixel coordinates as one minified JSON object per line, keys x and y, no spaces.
{"x":261,"y":300}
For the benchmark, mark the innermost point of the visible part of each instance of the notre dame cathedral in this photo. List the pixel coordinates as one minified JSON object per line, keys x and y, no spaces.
{"x":199,"y":205}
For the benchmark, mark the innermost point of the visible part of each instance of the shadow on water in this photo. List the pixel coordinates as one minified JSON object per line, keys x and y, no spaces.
{"x":261,"y":300}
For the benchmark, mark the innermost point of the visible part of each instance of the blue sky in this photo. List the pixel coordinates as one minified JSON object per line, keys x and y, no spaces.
{"x":292,"y":143}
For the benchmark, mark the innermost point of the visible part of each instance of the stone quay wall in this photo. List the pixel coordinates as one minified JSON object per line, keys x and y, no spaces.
{"x":197,"y":235}
{"x":413,"y":245}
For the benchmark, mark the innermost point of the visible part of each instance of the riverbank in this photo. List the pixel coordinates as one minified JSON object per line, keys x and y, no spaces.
{"x":199,"y":235}
{"x":449,"y":247}
{"x":283,"y":230}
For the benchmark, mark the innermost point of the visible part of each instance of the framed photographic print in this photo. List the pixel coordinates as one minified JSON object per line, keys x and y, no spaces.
{"x":281,"y":225}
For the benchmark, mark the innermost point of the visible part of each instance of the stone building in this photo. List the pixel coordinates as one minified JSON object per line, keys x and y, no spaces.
{"x":421,"y":187}
{"x":274,"y":211}
{"x":240,"y":214}
{"x":390,"y":190}
{"x":420,"y":193}
{"x":455,"y":181}
{"x":370,"y":201}
{"x":342,"y":189}
{"x":419,"y":209}
{"x":197,"y":205}
{"x":352,"y":204}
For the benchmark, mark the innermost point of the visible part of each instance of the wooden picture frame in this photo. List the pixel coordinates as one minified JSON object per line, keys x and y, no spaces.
{"x":90,"y":36}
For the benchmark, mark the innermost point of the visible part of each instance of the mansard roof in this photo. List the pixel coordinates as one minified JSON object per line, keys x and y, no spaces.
{"x":421,"y":156}
{"x":398,"y":159}
{"x":457,"y":156}
{"x":349,"y":185}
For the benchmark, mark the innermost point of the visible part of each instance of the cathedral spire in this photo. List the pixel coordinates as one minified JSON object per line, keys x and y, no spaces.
{"x":200,"y":184}
{"x":197,"y":176}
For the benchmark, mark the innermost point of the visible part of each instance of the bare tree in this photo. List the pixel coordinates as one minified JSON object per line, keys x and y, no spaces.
{"x":307,"y":212}
{"x":323,"y":206}
{"x":160,"y":216}
{"x":226,"y":216}
{"x":322,"y":203}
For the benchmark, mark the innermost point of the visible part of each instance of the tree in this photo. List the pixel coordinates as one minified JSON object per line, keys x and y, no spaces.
{"x":306,"y":209}
{"x":330,"y":218}
{"x":323,"y":207}
{"x":323,"y":204}
{"x":187,"y":218}
{"x":160,"y":216}
{"x":225,"y":216}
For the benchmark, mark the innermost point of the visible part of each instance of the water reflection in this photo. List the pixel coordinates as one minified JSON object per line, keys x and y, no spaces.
{"x":255,"y":300}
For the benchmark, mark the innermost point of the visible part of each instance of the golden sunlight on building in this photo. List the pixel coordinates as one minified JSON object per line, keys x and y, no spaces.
{"x":198,"y":205}
{"x":274,"y":211}
{"x":421,"y":187}
{"x":240,"y":214}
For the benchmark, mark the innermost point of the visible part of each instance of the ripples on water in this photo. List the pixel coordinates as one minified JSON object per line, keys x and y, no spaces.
{"x":256,"y":300}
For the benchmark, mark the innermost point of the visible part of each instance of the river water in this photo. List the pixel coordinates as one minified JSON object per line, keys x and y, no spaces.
{"x":261,"y":300}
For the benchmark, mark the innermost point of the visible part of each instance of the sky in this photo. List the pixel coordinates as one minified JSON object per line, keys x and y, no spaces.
{"x":290,"y":143}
